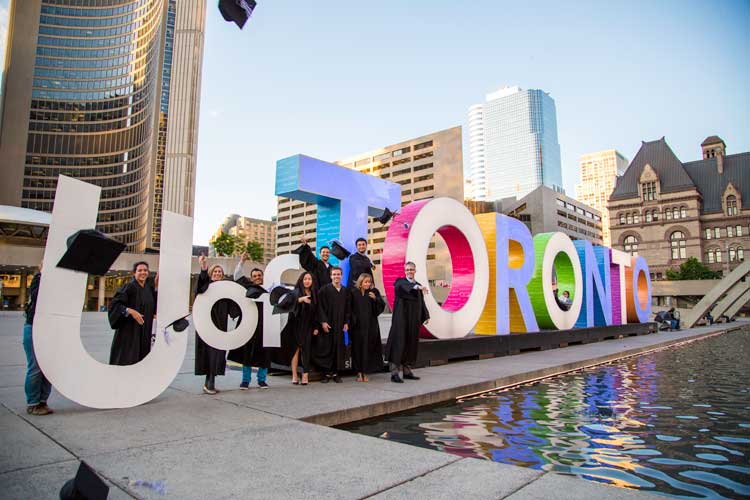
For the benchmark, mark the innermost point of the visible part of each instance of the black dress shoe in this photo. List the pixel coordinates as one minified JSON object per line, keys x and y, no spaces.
{"x":337,"y":379}
{"x":397,"y":379}
{"x":410,"y":376}
{"x":325,"y":380}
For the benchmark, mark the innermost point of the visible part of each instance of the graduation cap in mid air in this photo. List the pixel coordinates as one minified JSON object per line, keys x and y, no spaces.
{"x":387,"y":214}
{"x":338,"y":250}
{"x":277,"y":293}
{"x":237,"y":11}
{"x":179,"y":325}
{"x":91,"y":251}
{"x":86,"y":485}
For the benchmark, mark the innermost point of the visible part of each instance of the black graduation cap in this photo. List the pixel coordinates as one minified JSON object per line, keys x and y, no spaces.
{"x":179,"y":325}
{"x":236,"y":11}
{"x":387,"y":214}
{"x":86,"y":485}
{"x":277,"y":293}
{"x":338,"y":250}
{"x":91,"y":251}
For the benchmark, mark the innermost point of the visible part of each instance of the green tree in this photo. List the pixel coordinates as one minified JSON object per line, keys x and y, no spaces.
{"x":693,"y":269}
{"x":254,"y":251}
{"x":225,"y":245}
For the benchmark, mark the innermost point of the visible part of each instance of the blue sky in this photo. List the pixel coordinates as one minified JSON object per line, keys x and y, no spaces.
{"x":338,"y":77}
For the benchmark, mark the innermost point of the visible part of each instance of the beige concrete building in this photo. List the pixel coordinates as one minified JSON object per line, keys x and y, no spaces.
{"x":669,"y":211}
{"x":86,"y":93}
{"x":426,"y":167}
{"x":249,"y":229}
{"x":598,"y":174}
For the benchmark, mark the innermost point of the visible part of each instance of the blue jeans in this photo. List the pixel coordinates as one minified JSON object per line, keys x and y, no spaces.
{"x":37,"y":386}
{"x":675,"y":324}
{"x":247,"y":374}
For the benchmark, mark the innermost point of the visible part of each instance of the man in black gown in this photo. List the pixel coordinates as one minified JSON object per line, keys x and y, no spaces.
{"x":409,"y":313}
{"x":319,"y":268}
{"x":359,"y":263}
{"x":252,"y":353}
{"x":329,"y":348}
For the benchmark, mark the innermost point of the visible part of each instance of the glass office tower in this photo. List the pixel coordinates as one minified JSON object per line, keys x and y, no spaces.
{"x":81,"y":93}
{"x":520,"y":147}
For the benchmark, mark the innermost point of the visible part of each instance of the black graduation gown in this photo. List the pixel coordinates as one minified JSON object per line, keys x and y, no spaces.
{"x":253,"y":353}
{"x":409,"y":312}
{"x":364,"y":332}
{"x":328,"y":349}
{"x":132,"y":342}
{"x":210,"y":361}
{"x":298,"y":332}
{"x":358,"y":264}
{"x":313,"y":265}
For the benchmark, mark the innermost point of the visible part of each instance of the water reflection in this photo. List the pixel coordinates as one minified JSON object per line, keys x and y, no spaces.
{"x":674,"y":422}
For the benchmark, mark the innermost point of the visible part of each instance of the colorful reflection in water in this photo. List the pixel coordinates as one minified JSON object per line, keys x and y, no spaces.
{"x":676,"y":422}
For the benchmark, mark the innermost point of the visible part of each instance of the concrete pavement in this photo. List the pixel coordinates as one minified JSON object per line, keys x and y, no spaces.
{"x":263,"y":444}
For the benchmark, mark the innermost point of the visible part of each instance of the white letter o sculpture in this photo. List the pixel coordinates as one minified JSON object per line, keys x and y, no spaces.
{"x":470,"y":283}
{"x":204,"y":325}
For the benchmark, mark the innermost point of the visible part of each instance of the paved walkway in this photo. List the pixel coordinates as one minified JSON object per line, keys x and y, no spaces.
{"x":262,"y":444}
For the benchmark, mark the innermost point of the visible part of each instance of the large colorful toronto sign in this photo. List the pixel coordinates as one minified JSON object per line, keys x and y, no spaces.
{"x":502,"y":281}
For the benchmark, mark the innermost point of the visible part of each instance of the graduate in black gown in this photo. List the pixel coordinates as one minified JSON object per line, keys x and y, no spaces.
{"x":409,"y":314}
{"x":329,"y":348}
{"x":319,"y":268}
{"x":367,"y":348}
{"x":209,"y":361}
{"x":302,"y":326}
{"x":359,"y":263}
{"x":131,"y":315}
{"x":252,"y":353}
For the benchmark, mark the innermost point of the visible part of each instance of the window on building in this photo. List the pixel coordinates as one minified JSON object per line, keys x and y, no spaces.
{"x":675,"y":213}
{"x":740,"y":254}
{"x":718,"y":255}
{"x":648,"y":216}
{"x":731,"y":205}
{"x":667,"y":213}
{"x":629,"y":218}
{"x":730,"y":232}
{"x":622,"y":219}
{"x":678,"y":244}
{"x":732,"y":254}
{"x":683,"y":212}
{"x":636,"y":218}
{"x":717,"y":232}
{"x":631,"y":245}
{"x":656,"y":216}
{"x":649,"y":191}
{"x":709,"y":233}
{"x":738,"y":230}
{"x":711,"y":256}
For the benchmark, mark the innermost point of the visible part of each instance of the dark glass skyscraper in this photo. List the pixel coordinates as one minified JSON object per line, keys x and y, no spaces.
{"x":86,"y":94}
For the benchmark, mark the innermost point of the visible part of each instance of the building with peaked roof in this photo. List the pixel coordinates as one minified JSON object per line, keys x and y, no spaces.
{"x":669,"y":211}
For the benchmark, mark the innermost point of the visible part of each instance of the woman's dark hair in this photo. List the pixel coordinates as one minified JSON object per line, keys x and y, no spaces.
{"x":140,"y":263}
{"x":300,"y":287}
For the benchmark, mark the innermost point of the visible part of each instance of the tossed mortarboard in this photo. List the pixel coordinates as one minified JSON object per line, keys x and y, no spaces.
{"x":86,"y":485}
{"x":237,"y":11}
{"x":91,"y":251}
{"x":387,"y":214}
{"x":180,"y":324}
{"x":338,"y":250}
{"x":277,"y":293}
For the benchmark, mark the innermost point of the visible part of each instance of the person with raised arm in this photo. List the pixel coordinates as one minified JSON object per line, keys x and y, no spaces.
{"x":409,"y":314}
{"x":208,"y":360}
{"x":318,"y":267}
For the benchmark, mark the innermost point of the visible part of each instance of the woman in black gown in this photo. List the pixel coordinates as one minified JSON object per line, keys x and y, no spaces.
{"x":367,"y":347}
{"x":302,"y":303}
{"x":131,"y":315}
{"x":209,"y":361}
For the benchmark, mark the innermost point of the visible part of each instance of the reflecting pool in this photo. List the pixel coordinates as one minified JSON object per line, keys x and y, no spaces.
{"x":675,"y":422}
